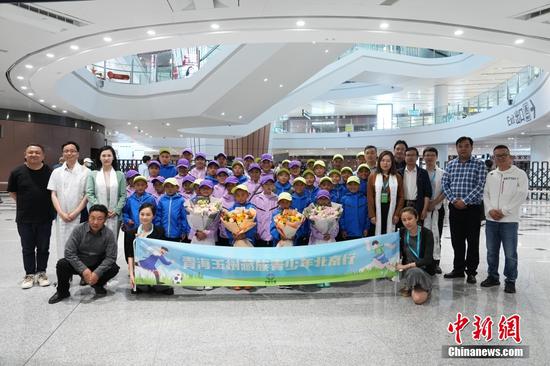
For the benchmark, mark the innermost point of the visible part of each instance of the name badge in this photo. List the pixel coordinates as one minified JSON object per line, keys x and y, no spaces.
{"x":384,"y":197}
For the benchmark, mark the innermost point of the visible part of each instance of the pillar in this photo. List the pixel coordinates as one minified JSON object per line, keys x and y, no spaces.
{"x":540,"y":148}
{"x":441,"y":101}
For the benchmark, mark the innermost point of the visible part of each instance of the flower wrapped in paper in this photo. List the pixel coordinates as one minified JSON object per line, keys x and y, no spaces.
{"x":239,"y":221}
{"x":202,"y":212}
{"x":287,"y":223}
{"x":324,"y":219}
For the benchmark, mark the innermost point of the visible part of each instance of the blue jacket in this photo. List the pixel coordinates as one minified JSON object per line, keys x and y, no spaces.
{"x":343,"y":189}
{"x":279,"y":188}
{"x":299,"y":203}
{"x":250,"y":234}
{"x":212,"y":179}
{"x":168,"y":171}
{"x":335,"y":195}
{"x":275,"y":235}
{"x":131,"y":208}
{"x":242,"y":179}
{"x":171,"y":215}
{"x":363,"y":186}
{"x":354,"y":219}
{"x":312,"y":193}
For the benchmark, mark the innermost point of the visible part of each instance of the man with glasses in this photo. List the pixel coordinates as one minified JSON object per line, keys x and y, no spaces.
{"x":505,"y":191}
{"x":68,"y":190}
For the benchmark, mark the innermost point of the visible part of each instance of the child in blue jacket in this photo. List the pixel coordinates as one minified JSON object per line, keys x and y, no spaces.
{"x":300,"y":200}
{"x":354,"y":222}
{"x":241,"y":193}
{"x":171,"y":214}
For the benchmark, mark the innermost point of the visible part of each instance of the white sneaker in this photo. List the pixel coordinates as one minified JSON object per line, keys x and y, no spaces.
{"x":28,"y":282}
{"x":42,"y":279}
{"x":208,"y":288}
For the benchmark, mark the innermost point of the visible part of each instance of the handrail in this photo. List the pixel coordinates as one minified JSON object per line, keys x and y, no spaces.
{"x":401,"y":50}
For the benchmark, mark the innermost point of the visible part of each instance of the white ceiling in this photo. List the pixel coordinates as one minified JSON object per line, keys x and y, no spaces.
{"x":490,"y":28}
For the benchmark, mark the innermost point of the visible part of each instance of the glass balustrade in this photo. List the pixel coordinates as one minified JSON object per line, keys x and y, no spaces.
{"x":401,"y":50}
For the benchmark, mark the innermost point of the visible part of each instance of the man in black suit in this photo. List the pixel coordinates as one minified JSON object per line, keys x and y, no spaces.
{"x":416,"y":184}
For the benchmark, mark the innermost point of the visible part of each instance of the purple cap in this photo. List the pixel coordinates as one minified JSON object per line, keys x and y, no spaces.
{"x":160,"y":179}
{"x":248,"y":157}
{"x":222,"y":170}
{"x":294,"y":163}
{"x":267,"y":178}
{"x":200,"y":155}
{"x":183,"y":162}
{"x":214,"y":162}
{"x":254,"y":166}
{"x":322,"y":193}
{"x":267,"y":157}
{"x":187,"y":178}
{"x":154,"y":162}
{"x":232,"y":180}
{"x":222,"y":154}
{"x":187,"y":150}
{"x":131,"y":173}
{"x":206,"y":183}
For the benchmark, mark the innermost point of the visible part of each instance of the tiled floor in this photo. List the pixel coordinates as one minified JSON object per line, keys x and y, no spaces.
{"x":355,"y":323}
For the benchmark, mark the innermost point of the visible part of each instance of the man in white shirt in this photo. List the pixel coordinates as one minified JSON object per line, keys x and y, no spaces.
{"x":505,"y":191}
{"x":68,"y":191}
{"x":143,"y":168}
{"x":431,"y":222}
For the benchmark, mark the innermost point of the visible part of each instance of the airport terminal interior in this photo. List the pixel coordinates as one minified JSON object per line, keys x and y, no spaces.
{"x":266,"y":87}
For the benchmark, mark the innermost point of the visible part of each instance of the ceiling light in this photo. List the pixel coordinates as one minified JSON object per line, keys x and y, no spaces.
{"x":64,"y":111}
{"x":459,"y":32}
{"x":523,"y":133}
{"x":300,"y":23}
{"x":136,"y":127}
{"x":151,"y":32}
{"x":24,"y":87}
{"x":326,"y":51}
{"x":20,"y":77}
{"x":107,"y":39}
{"x":129,"y":123}
{"x":50,"y":55}
{"x":215,"y":26}
{"x":384,"y":25}
{"x":168,"y":124}
{"x":519,"y":41}
{"x":281,"y":85}
{"x":548,"y":126}
{"x":313,"y":42}
{"x":223,"y":113}
{"x":74,"y":47}
{"x":41,"y":100}
{"x":266,"y":80}
{"x":28,"y":66}
{"x":30,"y":94}
{"x":54,"y":106}
{"x":241,"y":117}
{"x":181,"y":135}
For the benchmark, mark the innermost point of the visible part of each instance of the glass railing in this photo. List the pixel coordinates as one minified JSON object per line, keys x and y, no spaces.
{"x":145,"y":68}
{"x":504,"y":93}
{"x":401,"y":50}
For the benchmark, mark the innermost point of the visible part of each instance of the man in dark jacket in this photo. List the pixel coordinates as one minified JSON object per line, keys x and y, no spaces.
{"x":416,"y":184}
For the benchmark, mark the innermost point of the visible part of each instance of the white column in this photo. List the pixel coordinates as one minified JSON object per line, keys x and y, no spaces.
{"x":443,"y":153}
{"x":540,"y":148}
{"x":441,"y":101}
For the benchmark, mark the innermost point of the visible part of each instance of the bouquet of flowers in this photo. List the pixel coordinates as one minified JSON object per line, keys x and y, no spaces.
{"x":287,"y":223}
{"x":202,"y":212}
{"x":238,"y":222}
{"x":323,"y":217}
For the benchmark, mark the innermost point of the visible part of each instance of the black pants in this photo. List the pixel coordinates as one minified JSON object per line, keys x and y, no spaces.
{"x":65,"y":272}
{"x":223,"y":242}
{"x":263,"y":243}
{"x":302,"y":240}
{"x":465,"y":226}
{"x":35,"y":242}
{"x":440,"y":220}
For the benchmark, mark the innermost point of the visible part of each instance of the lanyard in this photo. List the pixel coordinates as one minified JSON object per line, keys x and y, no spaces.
{"x":385,"y":184}
{"x":433,"y":185}
{"x":417,"y":243}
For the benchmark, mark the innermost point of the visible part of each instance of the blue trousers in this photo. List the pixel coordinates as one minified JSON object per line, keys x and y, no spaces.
{"x":507,"y":234}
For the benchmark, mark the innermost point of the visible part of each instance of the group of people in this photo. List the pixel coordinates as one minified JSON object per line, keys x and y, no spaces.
{"x":385,"y":192}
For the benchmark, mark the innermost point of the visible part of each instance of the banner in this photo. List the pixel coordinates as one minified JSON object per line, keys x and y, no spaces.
{"x":180,"y":264}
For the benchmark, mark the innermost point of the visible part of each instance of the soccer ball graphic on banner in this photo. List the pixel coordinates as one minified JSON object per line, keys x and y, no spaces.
{"x":178,"y":277}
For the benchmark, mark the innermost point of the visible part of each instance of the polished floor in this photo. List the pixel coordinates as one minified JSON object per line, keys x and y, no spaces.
{"x":363,"y":323}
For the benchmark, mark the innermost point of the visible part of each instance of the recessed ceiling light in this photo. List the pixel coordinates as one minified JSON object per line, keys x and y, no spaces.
{"x":215,"y":26}
{"x":168,"y":124}
{"x":24,"y":87}
{"x":151,"y":32}
{"x":326,"y":51}
{"x":548,"y":126}
{"x":29,"y":66}
{"x":313,"y":42}
{"x":107,"y":39}
{"x":30,"y":94}
{"x":136,"y":127}
{"x":129,"y":123}
{"x":523,"y":133}
{"x":64,"y":111}
{"x":300,"y":23}
{"x":519,"y":41}
{"x":181,"y":135}
{"x":384,"y":25}
{"x":54,"y":106}
{"x":50,"y":55}
{"x":241,"y":117}
{"x":223,"y":113}
{"x":459,"y":32}
{"x":74,"y":47}
{"x":20,"y":77}
{"x":266,"y":80}
{"x":41,"y":100}
{"x":281,"y":85}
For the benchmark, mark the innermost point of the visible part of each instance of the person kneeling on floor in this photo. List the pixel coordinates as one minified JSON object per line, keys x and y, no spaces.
{"x":90,"y":252}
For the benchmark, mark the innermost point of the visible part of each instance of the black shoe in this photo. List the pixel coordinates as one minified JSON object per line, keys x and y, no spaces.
{"x":168,"y":291}
{"x":510,"y":287}
{"x":100,"y":290}
{"x":490,"y":282}
{"x":471,"y":279}
{"x":454,"y":274}
{"x":57,"y":298}
{"x":438,"y":270}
